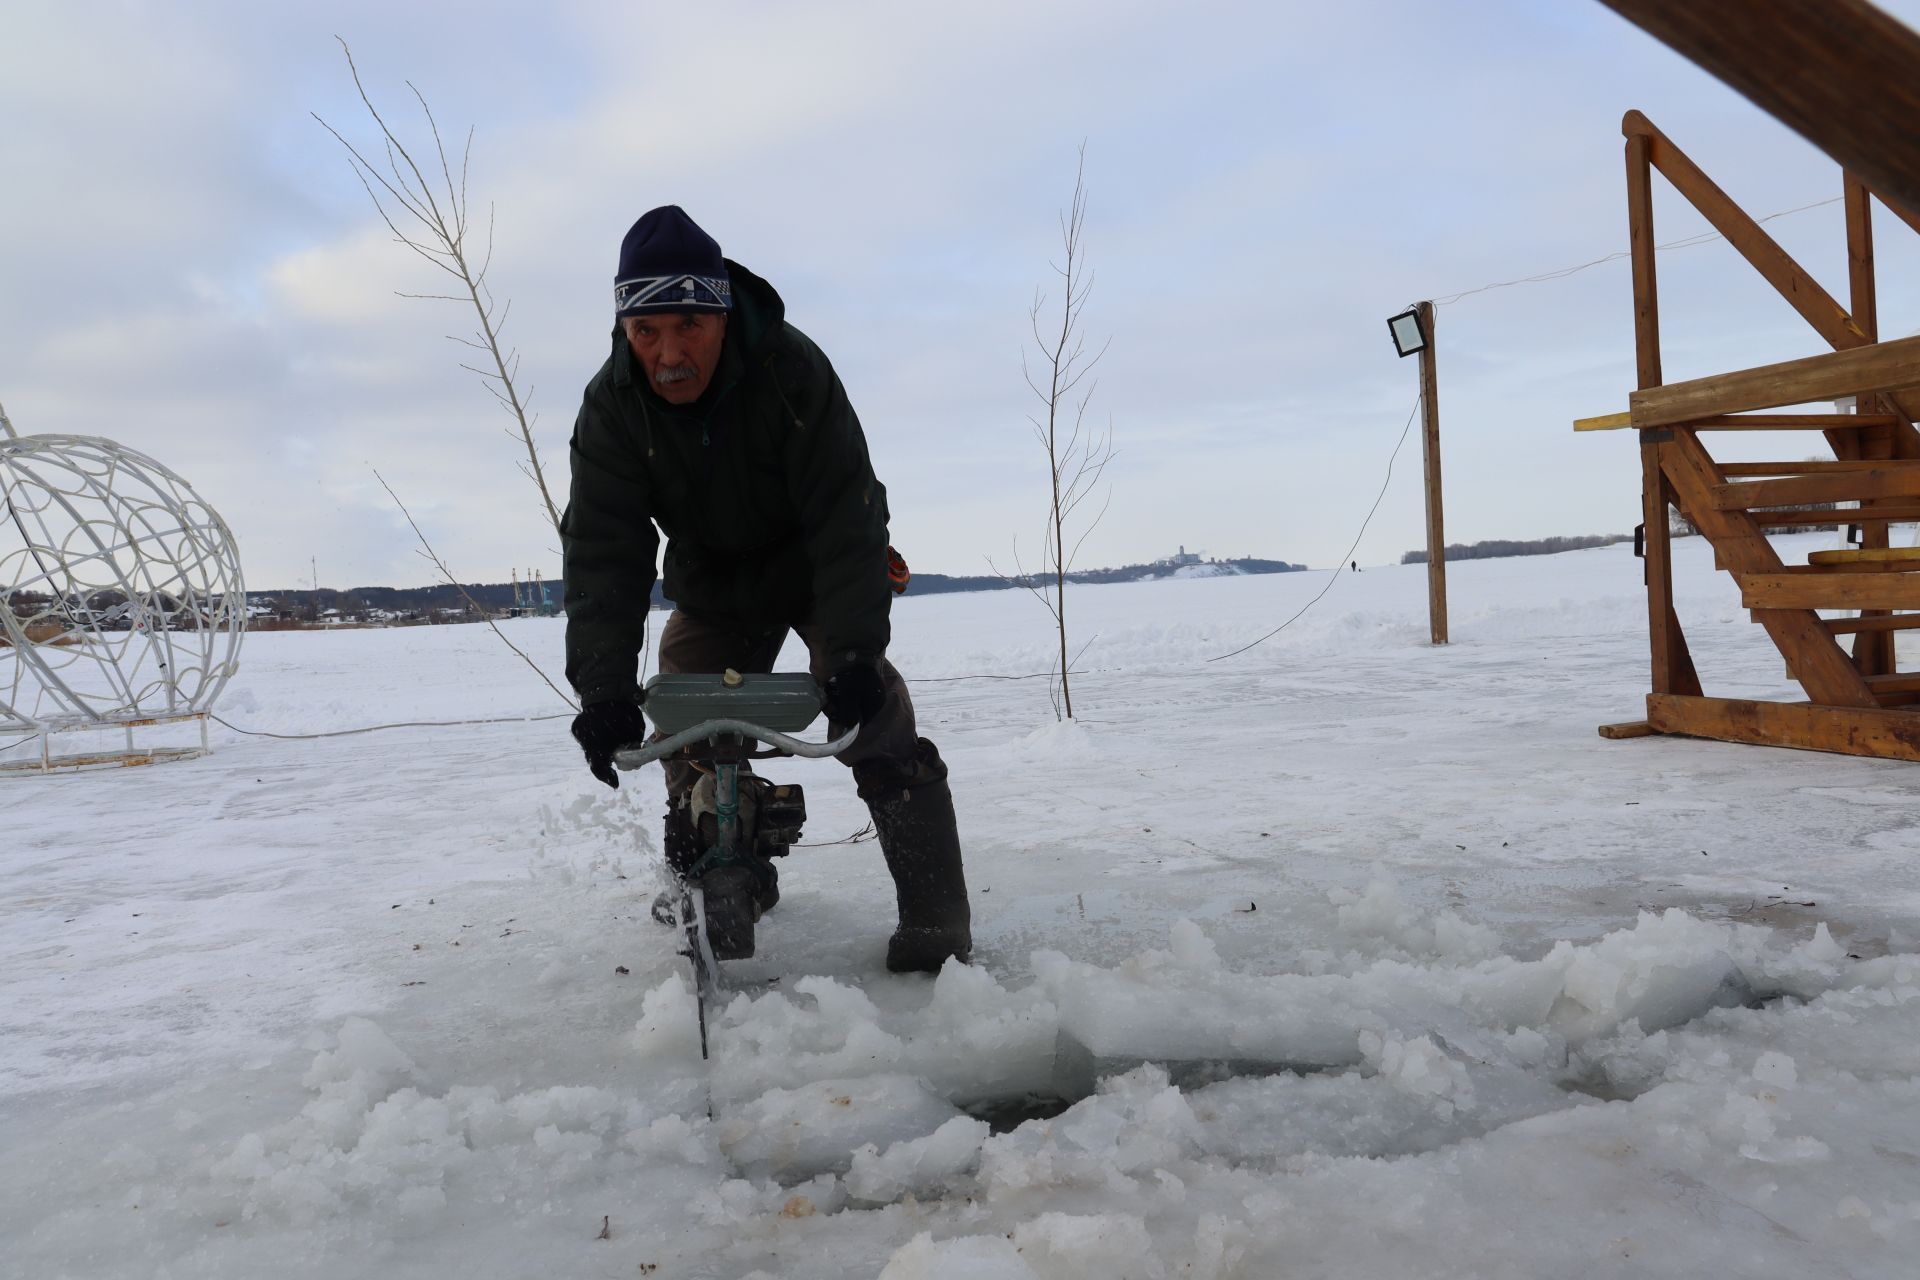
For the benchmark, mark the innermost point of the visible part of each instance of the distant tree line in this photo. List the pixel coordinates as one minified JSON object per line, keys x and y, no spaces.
{"x":1496,"y":548}
{"x":306,"y":605}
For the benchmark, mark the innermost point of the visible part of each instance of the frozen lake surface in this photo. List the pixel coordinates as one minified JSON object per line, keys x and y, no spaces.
{"x":1349,"y":956}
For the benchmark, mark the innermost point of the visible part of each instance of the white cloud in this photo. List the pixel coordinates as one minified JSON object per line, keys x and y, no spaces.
{"x":203,"y":277}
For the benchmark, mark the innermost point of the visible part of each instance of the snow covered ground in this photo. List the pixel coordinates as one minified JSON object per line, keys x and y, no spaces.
{"x":1349,"y":956}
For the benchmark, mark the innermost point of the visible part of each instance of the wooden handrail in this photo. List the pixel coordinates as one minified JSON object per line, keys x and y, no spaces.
{"x":1885,"y":366}
{"x":1791,"y":280}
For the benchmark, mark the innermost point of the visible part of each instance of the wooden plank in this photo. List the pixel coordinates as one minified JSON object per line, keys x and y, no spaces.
{"x":1894,"y":479}
{"x":1895,"y":682}
{"x":1827,"y":673}
{"x":1852,"y":566}
{"x":1605,"y":422}
{"x":1882,"y":623}
{"x":1628,"y":729}
{"x":1867,"y":555}
{"x":1835,"y":517}
{"x":1762,"y":252}
{"x":1793,"y":421}
{"x":1828,"y":570}
{"x":1806,"y":467}
{"x":1840,"y":73}
{"x":1884,"y":366}
{"x":1856,"y":731}
{"x":1771,"y":591}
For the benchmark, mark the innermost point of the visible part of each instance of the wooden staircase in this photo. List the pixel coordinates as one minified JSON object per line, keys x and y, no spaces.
{"x":1856,"y":700}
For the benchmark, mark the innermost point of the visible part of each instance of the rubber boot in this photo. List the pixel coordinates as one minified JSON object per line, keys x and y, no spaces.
{"x":913,"y":816}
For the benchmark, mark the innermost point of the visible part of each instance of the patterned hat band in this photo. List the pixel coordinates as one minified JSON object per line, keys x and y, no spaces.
{"x":672,"y":293}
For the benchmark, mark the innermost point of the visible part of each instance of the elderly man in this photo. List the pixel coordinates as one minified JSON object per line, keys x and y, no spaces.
{"x":724,"y":425}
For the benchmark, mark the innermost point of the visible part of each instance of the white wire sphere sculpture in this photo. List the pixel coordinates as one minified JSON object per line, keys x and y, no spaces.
{"x":121,"y":598}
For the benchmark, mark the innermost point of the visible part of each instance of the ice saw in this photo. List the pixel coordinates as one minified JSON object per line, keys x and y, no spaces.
{"x":717,"y":723}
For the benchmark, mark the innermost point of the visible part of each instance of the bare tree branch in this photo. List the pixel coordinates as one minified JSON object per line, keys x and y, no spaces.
{"x":446,"y":576}
{"x":441,"y":239}
{"x":1076,"y":457}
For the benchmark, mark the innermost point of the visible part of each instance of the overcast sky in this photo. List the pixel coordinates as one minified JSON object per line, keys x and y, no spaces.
{"x":190,"y":267}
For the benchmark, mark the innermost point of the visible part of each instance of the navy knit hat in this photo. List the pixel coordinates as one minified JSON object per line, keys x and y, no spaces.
{"x":667,"y":263}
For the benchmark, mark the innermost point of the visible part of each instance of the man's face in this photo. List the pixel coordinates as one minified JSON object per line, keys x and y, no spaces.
{"x":678,"y":350}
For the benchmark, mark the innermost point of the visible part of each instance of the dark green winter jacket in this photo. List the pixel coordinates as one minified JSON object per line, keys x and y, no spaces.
{"x":762,"y":487}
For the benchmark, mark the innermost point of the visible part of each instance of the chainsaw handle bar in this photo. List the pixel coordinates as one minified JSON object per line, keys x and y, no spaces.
{"x":634,"y":757}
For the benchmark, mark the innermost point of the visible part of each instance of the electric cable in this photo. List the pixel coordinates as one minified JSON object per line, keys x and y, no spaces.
{"x":1685,"y":242}
{"x":1378,"y":498}
{"x":376,"y":728}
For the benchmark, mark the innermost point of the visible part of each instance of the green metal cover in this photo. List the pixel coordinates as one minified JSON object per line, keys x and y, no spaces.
{"x":785,"y":702}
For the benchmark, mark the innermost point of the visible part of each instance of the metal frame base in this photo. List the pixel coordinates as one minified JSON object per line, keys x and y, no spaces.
{"x":128,"y":757}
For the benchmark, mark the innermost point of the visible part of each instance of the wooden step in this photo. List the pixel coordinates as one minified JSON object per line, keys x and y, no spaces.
{"x":1851,"y":626}
{"x":1827,"y":590}
{"x":1795,"y":422}
{"x":1891,"y":514}
{"x":1893,"y":479}
{"x":1908,"y":557}
{"x":1809,"y":467}
{"x":1847,"y":567}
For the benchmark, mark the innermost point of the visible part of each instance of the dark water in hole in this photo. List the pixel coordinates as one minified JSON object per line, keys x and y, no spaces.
{"x":1004,"y":1115}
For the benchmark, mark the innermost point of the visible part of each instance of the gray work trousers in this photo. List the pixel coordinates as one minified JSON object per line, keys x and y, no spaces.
{"x":885,"y":754}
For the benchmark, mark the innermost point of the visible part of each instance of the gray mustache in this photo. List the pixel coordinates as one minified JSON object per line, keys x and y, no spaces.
{"x":678,"y":373}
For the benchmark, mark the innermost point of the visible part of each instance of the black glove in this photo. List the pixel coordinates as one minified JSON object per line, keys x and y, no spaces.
{"x":603,"y":729}
{"x":855,"y":694}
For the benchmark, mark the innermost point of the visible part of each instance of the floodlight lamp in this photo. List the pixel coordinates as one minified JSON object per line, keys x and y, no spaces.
{"x":1409,"y":335}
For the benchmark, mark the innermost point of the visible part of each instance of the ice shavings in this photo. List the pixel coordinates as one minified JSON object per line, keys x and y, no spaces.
{"x":918,"y":1166}
{"x":973,"y":1040}
{"x":1182,"y":1006}
{"x":1380,"y":912}
{"x":1136,"y":1124}
{"x":374,"y":1145}
{"x":964,"y":1258}
{"x":784,"y":1133}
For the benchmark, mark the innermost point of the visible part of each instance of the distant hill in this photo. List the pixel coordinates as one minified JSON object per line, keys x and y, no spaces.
{"x":936,"y":583}
{"x":498,"y":596}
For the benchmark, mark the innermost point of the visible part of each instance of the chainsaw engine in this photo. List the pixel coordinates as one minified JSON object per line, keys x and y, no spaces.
{"x":771,"y":814}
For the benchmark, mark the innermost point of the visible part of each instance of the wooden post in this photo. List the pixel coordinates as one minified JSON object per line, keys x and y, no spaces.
{"x":1673,"y":670}
{"x":1436,"y":532}
{"x":1873,"y":651}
